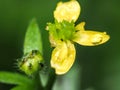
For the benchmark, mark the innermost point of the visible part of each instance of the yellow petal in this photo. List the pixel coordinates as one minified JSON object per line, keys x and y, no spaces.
{"x":63,"y":57}
{"x":67,"y":11}
{"x":90,"y":38}
{"x":80,"y":26}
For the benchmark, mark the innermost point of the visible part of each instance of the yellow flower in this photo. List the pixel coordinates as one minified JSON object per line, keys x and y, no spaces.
{"x":70,"y":11}
{"x":63,"y":33}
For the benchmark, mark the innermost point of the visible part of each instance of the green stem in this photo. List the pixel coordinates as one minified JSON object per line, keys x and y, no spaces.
{"x":51,"y":80}
{"x":38,"y":84}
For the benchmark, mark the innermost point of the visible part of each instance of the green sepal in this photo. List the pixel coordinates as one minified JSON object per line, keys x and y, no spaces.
{"x":61,"y":30}
{"x":33,"y":39}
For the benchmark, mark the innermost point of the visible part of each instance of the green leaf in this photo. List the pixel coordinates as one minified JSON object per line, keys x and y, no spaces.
{"x":14,"y":78}
{"x":22,"y":87}
{"x":33,"y":39}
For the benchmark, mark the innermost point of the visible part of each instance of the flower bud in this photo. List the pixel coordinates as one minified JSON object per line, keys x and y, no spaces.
{"x":31,"y":62}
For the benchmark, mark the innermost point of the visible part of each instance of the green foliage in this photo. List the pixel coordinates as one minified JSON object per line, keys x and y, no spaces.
{"x":13,"y":78}
{"x":22,"y":88}
{"x":33,"y":39}
{"x":30,"y":63}
{"x":22,"y":82}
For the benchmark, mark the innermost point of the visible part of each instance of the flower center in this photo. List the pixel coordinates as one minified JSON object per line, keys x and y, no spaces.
{"x":64,"y":30}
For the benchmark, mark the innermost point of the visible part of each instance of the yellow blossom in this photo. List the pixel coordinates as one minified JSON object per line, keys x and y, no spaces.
{"x":63,"y":33}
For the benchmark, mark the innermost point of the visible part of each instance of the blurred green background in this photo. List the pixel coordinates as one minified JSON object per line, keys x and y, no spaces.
{"x":95,"y":68}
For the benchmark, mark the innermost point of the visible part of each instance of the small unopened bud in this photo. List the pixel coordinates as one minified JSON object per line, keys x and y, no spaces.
{"x":31,"y":62}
